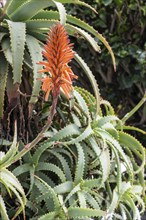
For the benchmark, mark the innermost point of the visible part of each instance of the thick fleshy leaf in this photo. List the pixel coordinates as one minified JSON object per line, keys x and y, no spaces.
{"x":91,"y":79}
{"x":77,"y":2}
{"x":12,"y":183}
{"x":42,"y":25}
{"x":4,"y":214}
{"x":135,"y":146}
{"x":53,"y":168}
{"x":7,"y":50}
{"x":80,"y":164}
{"x":3,"y":79}
{"x":6,"y":160}
{"x":13,"y":5}
{"x":62,"y":12}
{"x":73,"y":30}
{"x":35,"y":51}
{"x":67,"y":131}
{"x":17,"y":39}
{"x":28,"y":9}
{"x":40,"y":183}
{"x":85,"y":212}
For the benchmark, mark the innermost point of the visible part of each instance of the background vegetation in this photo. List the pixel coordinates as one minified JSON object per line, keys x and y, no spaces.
{"x":123,"y":23}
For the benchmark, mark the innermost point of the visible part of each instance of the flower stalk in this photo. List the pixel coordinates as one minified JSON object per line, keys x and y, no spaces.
{"x":58,"y":53}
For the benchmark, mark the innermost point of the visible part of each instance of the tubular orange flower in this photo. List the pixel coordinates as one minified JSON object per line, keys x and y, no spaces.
{"x":58,"y":53}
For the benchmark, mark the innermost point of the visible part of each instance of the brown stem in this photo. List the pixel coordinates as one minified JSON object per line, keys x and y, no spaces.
{"x":39,"y":137}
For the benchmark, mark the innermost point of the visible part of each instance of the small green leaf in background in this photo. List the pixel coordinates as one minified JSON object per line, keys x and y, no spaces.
{"x":107,"y":2}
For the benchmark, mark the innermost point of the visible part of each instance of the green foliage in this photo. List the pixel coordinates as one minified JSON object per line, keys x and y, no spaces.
{"x":19,"y":27}
{"x":94,"y":169}
{"x":9,"y":183}
{"x":86,"y":166}
{"x":123,"y":23}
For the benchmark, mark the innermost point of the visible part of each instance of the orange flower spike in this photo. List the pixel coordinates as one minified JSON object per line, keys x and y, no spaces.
{"x":58,"y":53}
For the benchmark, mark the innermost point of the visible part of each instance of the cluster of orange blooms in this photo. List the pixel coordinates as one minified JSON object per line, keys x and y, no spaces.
{"x":58,"y":53}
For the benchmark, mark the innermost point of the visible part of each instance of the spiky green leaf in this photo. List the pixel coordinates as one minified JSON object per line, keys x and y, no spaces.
{"x":3,"y":79}
{"x":28,"y":9}
{"x":80,"y":164}
{"x":62,"y":12}
{"x":91,"y":79}
{"x":80,"y":213}
{"x":53,"y":168}
{"x":17,"y":37}
{"x":3,"y":210}
{"x":6,"y":160}
{"x":68,"y":131}
{"x":35,"y":51}
{"x":73,"y":30}
{"x":135,"y":146}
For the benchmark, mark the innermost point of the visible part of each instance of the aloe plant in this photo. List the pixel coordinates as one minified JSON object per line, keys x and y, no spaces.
{"x":86,"y":166}
{"x":23,"y":28}
{"x":10,"y":186}
{"x":90,"y":168}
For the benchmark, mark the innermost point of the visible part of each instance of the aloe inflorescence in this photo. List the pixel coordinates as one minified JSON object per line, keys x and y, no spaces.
{"x":58,"y":52}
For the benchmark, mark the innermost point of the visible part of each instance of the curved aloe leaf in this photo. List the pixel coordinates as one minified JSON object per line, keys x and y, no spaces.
{"x":3,"y":79}
{"x":51,"y":191}
{"x":12,"y":5}
{"x":80,"y":164}
{"x":86,"y":133}
{"x":135,"y":146}
{"x":6,"y":160}
{"x":91,"y":30}
{"x":40,"y":24}
{"x":82,"y":199}
{"x":35,"y":51}
{"x":77,"y":2}
{"x":50,"y":216}
{"x":62,"y":12}
{"x":112,"y":141}
{"x":63,"y":187}
{"x":85,"y":212}
{"x":64,"y":164}
{"x":40,"y":151}
{"x":73,"y":30}
{"x":3,"y":209}
{"x":117,"y":197}
{"x":28,"y":9}
{"x":92,"y":81}
{"x":21,"y":169}
{"x":67,"y":131}
{"x":51,"y":167}
{"x":14,"y":185}
{"x":17,"y":39}
{"x":82,"y":103}
{"x":132,"y":128}
{"x":103,"y":156}
{"x":7,"y":50}
{"x":92,"y":201}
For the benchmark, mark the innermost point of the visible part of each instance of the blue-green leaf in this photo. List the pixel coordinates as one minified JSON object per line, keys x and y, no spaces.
{"x":35,"y":51}
{"x":17,"y":38}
